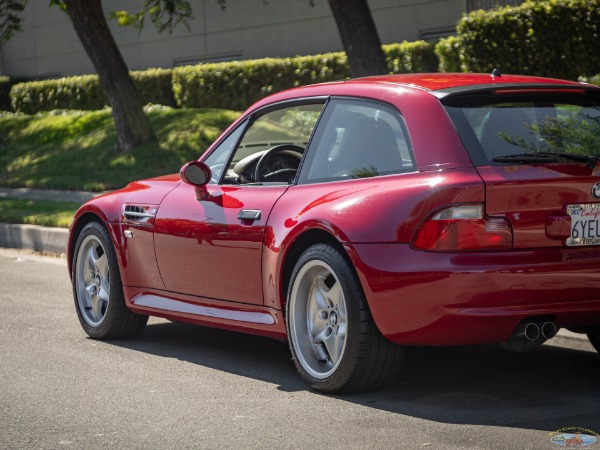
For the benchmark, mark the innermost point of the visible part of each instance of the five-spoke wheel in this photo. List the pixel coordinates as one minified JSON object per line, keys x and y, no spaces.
{"x":334,"y":341}
{"x":97,"y":288}
{"x":319,"y":304}
{"x":93,"y":280}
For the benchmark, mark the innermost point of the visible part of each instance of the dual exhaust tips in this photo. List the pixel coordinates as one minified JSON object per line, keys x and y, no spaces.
{"x":529,"y":335}
{"x":532,"y":331}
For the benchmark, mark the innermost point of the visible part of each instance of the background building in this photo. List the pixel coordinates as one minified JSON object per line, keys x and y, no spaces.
{"x":48,"y":47}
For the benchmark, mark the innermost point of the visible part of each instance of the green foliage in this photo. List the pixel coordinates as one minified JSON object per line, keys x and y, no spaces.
{"x":10,"y":17}
{"x":411,"y":57}
{"x":82,"y":92}
{"x":235,"y":85}
{"x":592,"y":80}
{"x":555,"y":38}
{"x":76,"y":149}
{"x":450,"y":54}
{"x":230,"y":85}
{"x":37,"y":212}
{"x":154,"y":86}
{"x":164,"y":14}
{"x":85,"y":92}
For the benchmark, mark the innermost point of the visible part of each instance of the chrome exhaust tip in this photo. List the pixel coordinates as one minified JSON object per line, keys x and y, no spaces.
{"x":532,"y":331}
{"x":548,"y":330}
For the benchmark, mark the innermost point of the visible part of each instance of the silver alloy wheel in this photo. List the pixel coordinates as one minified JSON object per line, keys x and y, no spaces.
{"x":93,"y":280}
{"x":318,"y":319}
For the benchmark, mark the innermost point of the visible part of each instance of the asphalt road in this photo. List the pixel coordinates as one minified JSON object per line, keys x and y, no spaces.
{"x":181,"y":386}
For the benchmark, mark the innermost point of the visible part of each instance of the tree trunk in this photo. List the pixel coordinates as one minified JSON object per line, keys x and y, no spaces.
{"x":133,"y":127}
{"x":359,"y":37}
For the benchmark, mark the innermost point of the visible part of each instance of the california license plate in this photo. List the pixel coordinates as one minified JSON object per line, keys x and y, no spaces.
{"x":585,"y":224}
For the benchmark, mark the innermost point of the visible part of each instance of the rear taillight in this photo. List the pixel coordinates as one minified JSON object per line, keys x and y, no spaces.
{"x":463,"y":228}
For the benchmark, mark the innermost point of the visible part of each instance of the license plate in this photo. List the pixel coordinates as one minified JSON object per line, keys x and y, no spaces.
{"x":585,"y":224}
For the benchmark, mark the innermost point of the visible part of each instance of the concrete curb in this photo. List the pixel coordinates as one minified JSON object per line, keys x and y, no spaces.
{"x":33,"y":237}
{"x":48,"y":194}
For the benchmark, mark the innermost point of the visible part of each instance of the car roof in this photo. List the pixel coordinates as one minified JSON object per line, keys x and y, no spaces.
{"x":439,"y":85}
{"x":445,"y":81}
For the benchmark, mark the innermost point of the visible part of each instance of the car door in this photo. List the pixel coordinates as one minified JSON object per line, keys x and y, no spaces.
{"x":211,"y":246}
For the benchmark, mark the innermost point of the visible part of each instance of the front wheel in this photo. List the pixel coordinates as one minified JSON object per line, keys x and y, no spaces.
{"x":334,"y":341}
{"x":97,"y":288}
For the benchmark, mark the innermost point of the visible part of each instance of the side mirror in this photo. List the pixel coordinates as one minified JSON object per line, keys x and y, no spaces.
{"x":195,"y":173}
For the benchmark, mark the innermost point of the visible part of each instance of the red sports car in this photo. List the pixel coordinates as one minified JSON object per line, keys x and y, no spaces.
{"x":357,"y":217}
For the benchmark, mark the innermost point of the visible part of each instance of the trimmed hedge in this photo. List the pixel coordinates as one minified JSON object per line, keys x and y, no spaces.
{"x":229,"y":85}
{"x":235,"y":85}
{"x":556,"y":38}
{"x":85,"y":92}
{"x":450,"y":55}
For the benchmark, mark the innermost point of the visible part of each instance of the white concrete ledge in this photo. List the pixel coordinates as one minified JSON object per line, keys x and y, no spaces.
{"x":33,"y":237}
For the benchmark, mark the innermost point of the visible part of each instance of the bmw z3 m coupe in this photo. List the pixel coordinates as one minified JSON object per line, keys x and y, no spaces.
{"x":359,"y":217}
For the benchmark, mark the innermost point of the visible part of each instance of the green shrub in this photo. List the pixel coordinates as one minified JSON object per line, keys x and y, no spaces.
{"x":411,"y":57}
{"x":450,"y":55}
{"x":85,"y":93}
{"x":557,"y":38}
{"x":82,"y":92}
{"x":237,"y":84}
{"x":229,"y":85}
{"x":592,"y":80}
{"x":154,"y":86}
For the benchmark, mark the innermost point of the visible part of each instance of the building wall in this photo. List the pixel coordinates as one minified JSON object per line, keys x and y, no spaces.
{"x":246,"y":29}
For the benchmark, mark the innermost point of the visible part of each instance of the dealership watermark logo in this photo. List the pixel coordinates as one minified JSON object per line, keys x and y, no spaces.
{"x":596,"y":191}
{"x":574,"y":437}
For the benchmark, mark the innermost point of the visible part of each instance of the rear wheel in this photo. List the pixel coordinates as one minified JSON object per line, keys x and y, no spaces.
{"x":97,"y":288}
{"x":334,"y":341}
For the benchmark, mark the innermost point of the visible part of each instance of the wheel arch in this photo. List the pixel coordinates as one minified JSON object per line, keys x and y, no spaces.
{"x":78,"y":225}
{"x":296,"y":248}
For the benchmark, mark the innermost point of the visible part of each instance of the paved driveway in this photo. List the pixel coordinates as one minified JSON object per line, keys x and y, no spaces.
{"x":182,"y":386}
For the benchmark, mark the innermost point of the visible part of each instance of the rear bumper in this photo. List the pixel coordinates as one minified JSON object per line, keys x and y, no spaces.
{"x":426,"y":298}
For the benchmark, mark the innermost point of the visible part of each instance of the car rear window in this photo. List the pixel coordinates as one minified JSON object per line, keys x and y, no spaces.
{"x":496,"y":128}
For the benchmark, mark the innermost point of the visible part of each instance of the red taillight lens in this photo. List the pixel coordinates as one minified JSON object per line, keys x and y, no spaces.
{"x":461,"y":228}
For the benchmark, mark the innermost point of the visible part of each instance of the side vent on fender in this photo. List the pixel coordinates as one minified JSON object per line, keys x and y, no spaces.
{"x":139,"y":214}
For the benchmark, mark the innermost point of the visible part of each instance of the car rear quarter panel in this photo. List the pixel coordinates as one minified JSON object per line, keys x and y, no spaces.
{"x":382,"y":210}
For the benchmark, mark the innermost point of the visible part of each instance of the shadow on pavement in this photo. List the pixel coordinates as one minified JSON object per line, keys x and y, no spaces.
{"x":546,"y":389}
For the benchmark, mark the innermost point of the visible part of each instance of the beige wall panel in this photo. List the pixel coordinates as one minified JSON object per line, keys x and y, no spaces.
{"x":244,"y":29}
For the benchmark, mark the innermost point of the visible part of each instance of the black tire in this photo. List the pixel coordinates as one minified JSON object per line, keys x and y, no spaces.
{"x":97,"y":288}
{"x":595,"y":340}
{"x":334,"y":341}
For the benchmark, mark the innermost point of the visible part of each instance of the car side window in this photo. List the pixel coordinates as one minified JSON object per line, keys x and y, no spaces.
{"x":217,"y":160}
{"x":274,"y":142}
{"x":358,"y":139}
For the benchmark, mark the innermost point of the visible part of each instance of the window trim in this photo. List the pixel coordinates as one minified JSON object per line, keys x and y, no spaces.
{"x":256,"y":114}
{"x":243,"y":123}
{"x":302,"y":175}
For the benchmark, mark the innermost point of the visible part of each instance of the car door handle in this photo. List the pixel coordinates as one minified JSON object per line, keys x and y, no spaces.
{"x":249,"y":214}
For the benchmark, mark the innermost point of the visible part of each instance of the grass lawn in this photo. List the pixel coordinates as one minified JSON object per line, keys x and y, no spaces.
{"x":37,"y":212}
{"x":75,"y":150}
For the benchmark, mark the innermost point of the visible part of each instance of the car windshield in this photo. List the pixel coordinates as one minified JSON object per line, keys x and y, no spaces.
{"x":534,"y":129}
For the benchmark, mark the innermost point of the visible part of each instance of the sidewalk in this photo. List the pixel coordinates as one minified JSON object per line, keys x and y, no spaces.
{"x":33,"y":237}
{"x":47,"y":194}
